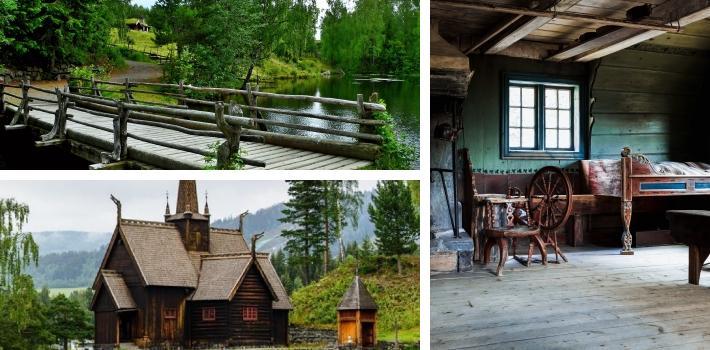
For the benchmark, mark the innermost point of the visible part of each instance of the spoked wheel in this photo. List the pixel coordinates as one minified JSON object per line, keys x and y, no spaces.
{"x":550,"y":203}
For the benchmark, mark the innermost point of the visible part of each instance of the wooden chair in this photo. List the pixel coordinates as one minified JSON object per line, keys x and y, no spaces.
{"x":500,"y":235}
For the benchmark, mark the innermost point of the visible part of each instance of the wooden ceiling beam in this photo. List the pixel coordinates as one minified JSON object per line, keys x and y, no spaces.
{"x":493,"y":33}
{"x":676,"y":12}
{"x":523,"y":30}
{"x":559,"y":11}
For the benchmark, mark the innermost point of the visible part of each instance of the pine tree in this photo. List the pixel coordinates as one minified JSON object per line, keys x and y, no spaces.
{"x":68,"y":320}
{"x":304,"y":210}
{"x":395,"y":218}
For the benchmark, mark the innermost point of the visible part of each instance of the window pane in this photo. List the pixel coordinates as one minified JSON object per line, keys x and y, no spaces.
{"x":565,"y":99}
{"x":528,"y":97}
{"x":550,"y":138}
{"x":514,"y":116}
{"x":514,"y":96}
{"x":514,"y":137}
{"x":565,"y":138}
{"x":551,"y":118}
{"x":565,"y":120}
{"x":528,"y":117}
{"x":528,"y":138}
{"x":551,"y":98}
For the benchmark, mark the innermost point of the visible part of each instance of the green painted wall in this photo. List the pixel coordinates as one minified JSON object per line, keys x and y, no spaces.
{"x":650,"y":101}
{"x":482,"y":111}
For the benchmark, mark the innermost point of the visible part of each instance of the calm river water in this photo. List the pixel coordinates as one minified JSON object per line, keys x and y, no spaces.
{"x":401,"y":97}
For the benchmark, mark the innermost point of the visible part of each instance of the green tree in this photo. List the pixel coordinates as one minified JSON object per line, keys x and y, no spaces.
{"x":304,"y":211}
{"x":345,"y":203}
{"x":395,"y":218}
{"x":22,"y":322}
{"x":68,"y":320}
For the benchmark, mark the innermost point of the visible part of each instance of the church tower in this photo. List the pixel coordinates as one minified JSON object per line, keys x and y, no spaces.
{"x":194,"y":227}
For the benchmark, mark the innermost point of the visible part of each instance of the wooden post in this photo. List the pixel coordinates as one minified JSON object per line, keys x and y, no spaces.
{"x":251,"y":100}
{"x":626,"y":203}
{"x":24,"y":107}
{"x":232,"y":133}
{"x":58,"y":131}
{"x":94,"y":87}
{"x":127,"y":94}
{"x":364,"y":113}
{"x":2,"y":97}
{"x":181,"y":91}
{"x":120,"y":134}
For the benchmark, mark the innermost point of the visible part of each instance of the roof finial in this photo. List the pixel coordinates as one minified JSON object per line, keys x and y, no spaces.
{"x":118,"y":208}
{"x":241,"y":221}
{"x":207,"y":207}
{"x":167,"y":203}
{"x":254,"y":238}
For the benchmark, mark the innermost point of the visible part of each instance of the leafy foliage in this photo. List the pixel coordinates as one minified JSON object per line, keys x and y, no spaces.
{"x":68,"y":320}
{"x":46,"y":34}
{"x":396,"y":219}
{"x":17,"y":248}
{"x":235,"y":163}
{"x":376,"y":36}
{"x":394,"y":154}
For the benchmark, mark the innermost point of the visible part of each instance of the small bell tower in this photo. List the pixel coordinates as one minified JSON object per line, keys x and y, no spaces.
{"x":194,"y":227}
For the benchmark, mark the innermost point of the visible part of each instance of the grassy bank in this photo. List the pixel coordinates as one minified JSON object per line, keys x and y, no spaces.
{"x":276,"y":68}
{"x":396,"y":296}
{"x":143,"y":42}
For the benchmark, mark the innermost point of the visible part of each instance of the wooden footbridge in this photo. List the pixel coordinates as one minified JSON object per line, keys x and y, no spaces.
{"x":108,"y":124}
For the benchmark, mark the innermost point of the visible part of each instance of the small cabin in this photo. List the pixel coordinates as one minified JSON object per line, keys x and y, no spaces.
{"x":566,"y":137}
{"x":357,"y":317}
{"x":139,"y":25}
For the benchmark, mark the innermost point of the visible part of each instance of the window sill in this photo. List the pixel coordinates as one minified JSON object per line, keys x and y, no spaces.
{"x":543,"y":155}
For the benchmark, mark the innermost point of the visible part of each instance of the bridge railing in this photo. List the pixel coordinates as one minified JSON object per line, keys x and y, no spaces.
{"x":366,"y":140}
{"x":225,"y":120}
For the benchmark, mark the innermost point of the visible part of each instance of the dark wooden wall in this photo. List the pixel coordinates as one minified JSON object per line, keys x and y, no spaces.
{"x":209,"y":332}
{"x":105,"y":323}
{"x":280,"y":327}
{"x":648,"y":99}
{"x":252,"y":292}
{"x":160,"y":298}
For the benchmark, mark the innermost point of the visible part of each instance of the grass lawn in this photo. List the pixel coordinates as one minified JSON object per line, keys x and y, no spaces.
{"x":405,"y":335}
{"x":66,"y":291}
{"x":143,"y":41}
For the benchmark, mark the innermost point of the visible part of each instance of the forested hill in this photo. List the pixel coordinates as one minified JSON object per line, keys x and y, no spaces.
{"x":267,"y":221}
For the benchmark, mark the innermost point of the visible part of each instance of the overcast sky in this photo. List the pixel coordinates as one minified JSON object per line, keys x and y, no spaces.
{"x":86,"y":205}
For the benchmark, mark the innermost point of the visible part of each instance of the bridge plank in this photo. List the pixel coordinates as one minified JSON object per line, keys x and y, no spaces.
{"x":275,"y":157}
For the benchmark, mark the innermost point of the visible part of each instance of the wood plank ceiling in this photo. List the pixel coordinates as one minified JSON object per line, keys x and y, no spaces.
{"x":504,"y":26}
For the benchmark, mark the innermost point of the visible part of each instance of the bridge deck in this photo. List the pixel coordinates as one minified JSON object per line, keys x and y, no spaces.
{"x":275,"y":157}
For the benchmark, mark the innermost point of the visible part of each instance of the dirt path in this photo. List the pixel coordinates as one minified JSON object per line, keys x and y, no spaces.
{"x":139,"y":71}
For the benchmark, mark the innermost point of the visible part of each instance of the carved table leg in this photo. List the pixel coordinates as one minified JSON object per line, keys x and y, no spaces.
{"x":696,"y":258}
{"x":626,"y":238}
{"x":541,"y":246}
{"x":487,"y":251}
{"x":503,"y":249}
{"x":530,"y":250}
{"x":474,"y":233}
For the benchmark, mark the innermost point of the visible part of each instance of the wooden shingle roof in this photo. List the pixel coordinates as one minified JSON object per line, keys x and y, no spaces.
{"x":159,"y":253}
{"x":283,"y":302}
{"x":357,"y":297}
{"x":224,"y":241}
{"x":116,"y":286}
{"x":220,"y":276}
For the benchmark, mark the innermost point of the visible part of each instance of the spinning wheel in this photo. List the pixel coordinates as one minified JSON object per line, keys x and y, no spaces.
{"x":550,"y":201}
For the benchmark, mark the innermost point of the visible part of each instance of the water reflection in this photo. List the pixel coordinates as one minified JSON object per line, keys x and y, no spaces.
{"x":402,"y":98}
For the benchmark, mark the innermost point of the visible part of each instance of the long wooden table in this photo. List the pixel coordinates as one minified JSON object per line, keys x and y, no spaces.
{"x":692,"y":227}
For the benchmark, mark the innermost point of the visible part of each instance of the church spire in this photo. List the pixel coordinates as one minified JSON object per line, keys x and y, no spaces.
{"x":167,"y":204}
{"x":187,"y":197}
{"x":207,"y":206}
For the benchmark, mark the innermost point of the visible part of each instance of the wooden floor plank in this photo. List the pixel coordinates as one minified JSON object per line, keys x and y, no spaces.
{"x":275,"y":157}
{"x":598,"y":299}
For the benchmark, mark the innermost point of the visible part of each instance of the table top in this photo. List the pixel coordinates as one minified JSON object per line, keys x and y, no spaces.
{"x":504,"y":200}
{"x":705,"y":213}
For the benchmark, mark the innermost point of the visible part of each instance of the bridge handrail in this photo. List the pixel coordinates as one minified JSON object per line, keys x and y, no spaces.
{"x":214,"y":124}
{"x":376,"y":107}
